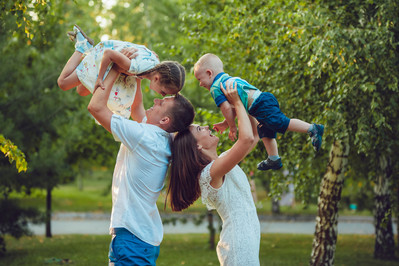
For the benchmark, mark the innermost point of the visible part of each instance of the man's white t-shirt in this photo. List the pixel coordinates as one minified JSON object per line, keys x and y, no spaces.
{"x":139,"y":175}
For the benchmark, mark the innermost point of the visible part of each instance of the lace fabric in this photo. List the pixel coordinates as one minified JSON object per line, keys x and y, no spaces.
{"x":240,"y":235}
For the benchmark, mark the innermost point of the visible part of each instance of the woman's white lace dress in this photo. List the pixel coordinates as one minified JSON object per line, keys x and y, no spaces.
{"x":240,"y":237}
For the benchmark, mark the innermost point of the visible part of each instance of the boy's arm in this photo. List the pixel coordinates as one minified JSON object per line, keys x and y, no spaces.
{"x":98,"y":103}
{"x":137,"y":111}
{"x":229,"y":115}
{"x":111,"y":56}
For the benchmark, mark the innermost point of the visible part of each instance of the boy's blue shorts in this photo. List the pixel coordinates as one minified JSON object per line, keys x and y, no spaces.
{"x":267,"y":111}
{"x":126,"y":249}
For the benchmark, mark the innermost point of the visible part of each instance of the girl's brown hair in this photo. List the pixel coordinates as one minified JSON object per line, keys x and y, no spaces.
{"x":173,"y":75}
{"x":186,"y":166}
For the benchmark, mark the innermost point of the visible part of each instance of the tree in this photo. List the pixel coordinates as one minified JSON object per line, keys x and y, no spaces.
{"x":327,"y":61}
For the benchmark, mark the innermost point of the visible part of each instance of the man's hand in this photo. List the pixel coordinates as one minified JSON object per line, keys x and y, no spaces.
{"x":130,"y":52}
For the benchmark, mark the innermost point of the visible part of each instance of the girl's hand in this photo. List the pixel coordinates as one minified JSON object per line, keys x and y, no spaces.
{"x":231,"y":92}
{"x":99,"y":84}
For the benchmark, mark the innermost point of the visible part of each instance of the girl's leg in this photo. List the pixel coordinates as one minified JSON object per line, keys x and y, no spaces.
{"x":68,"y":78}
{"x":297,"y":125}
{"x":82,"y":91}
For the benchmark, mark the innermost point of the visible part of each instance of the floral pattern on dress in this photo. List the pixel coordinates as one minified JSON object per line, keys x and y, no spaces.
{"x":124,"y":89}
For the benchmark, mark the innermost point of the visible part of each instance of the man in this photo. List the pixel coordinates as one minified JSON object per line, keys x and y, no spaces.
{"x":140,"y":170}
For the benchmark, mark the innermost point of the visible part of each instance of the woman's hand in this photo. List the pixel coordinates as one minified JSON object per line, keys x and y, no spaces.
{"x":231,"y":92}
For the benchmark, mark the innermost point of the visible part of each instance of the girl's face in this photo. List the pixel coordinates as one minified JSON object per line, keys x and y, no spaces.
{"x":156,"y":86}
{"x":204,"y":136}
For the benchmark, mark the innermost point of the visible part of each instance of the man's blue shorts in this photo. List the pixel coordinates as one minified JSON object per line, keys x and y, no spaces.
{"x":126,"y":249}
{"x":267,"y":111}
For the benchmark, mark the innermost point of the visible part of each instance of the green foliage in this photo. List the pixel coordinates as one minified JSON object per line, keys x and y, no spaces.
{"x":13,"y":153}
{"x":329,"y":62}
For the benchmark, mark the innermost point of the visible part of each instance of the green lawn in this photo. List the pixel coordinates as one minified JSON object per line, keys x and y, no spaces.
{"x":95,"y":197}
{"x":187,"y":249}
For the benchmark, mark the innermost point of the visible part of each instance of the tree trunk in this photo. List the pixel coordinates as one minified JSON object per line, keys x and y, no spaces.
{"x":211,"y":231}
{"x":275,"y":205}
{"x":48,"y":212}
{"x":324,"y":242}
{"x":384,"y":247}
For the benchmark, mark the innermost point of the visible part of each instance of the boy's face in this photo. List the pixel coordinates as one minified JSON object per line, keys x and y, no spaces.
{"x":204,"y":76}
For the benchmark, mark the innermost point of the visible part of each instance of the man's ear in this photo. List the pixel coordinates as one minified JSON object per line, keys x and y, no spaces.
{"x":209,"y":72}
{"x":165,"y":121}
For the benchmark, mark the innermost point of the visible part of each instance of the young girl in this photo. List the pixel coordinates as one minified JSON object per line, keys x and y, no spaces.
{"x":197,"y":169}
{"x":87,"y":74}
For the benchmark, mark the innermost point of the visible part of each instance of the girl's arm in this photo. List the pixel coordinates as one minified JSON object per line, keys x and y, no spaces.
{"x":111,"y":56}
{"x":224,"y":164}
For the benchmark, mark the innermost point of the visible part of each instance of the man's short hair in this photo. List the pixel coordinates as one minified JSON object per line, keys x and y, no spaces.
{"x":181,"y":114}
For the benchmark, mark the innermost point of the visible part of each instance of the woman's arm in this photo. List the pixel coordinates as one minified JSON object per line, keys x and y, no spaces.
{"x":225,"y":163}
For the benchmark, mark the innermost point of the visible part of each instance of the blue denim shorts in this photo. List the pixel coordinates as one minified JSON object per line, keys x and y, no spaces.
{"x":126,"y":249}
{"x":267,"y":111}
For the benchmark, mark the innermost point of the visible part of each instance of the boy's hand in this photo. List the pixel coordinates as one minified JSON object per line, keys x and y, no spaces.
{"x":220,"y":127}
{"x":99,"y":84}
{"x":233,"y":133}
{"x":130,"y":52}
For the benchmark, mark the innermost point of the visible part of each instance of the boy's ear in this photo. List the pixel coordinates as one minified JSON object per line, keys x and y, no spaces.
{"x":209,"y":72}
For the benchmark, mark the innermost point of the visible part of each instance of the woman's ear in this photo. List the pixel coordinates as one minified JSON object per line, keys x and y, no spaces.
{"x":199,"y":147}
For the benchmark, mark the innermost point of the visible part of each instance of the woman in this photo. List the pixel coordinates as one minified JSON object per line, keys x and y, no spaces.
{"x":197,"y":169}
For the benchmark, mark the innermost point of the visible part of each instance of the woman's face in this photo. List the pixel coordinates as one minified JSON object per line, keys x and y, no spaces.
{"x":204,"y":136}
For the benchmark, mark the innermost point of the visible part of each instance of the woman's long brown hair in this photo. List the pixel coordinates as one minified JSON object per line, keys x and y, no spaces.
{"x":186,"y":166}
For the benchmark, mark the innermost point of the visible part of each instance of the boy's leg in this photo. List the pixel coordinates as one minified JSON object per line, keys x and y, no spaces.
{"x":297,"y":125}
{"x":273,"y":161}
{"x":315,"y":131}
{"x":271,"y":146}
{"x":268,"y":137}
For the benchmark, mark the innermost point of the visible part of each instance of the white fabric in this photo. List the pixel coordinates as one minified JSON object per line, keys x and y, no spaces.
{"x":124,"y":89}
{"x":138,"y":179}
{"x":240,"y":237}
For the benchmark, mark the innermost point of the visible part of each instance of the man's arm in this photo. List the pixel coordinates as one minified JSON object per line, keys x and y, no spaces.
{"x":138,"y":111}
{"x":98,"y":103}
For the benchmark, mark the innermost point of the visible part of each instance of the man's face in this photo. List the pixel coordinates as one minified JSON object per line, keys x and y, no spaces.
{"x":159,"y":110}
{"x":204,"y":77}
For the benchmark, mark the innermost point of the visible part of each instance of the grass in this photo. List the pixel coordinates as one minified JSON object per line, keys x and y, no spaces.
{"x":95,"y":197}
{"x":186,"y":249}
